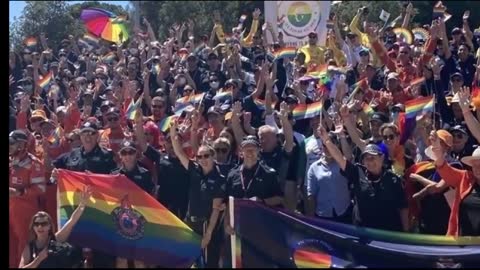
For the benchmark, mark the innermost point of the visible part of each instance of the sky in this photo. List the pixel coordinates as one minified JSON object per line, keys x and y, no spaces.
{"x":16,"y":7}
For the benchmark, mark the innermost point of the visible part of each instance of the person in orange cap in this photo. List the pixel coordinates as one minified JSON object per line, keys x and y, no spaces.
{"x":26,"y":185}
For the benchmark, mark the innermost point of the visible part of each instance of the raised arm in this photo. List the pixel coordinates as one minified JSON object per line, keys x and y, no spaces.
{"x":177,"y":146}
{"x":194,"y":130}
{"x":408,"y":15}
{"x":287,"y":127}
{"x":472,"y":123}
{"x":237,"y":129}
{"x":333,"y":149}
{"x":351,"y":129}
{"x":63,"y":234}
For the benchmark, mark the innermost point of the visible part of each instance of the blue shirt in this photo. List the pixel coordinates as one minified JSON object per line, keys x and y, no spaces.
{"x":329,"y":188}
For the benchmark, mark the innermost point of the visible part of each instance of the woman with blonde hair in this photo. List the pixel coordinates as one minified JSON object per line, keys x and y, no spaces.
{"x":42,"y":235}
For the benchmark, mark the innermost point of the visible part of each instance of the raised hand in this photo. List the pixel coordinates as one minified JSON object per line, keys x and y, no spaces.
{"x":247,"y":117}
{"x":322,"y":133}
{"x":284,"y":110}
{"x":256,"y":14}
{"x":464,"y":98}
{"x":85,"y":196}
{"x":237,"y":109}
{"x":466,"y":15}
{"x":344,"y":112}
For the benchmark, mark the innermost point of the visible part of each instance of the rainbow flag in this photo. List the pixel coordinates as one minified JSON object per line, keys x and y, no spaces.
{"x":31,"y":42}
{"x":317,"y":71}
{"x":56,"y":136}
{"x":224,"y":95}
{"x":109,"y":57}
{"x":306,"y":111}
{"x":192,"y":99}
{"x":166,"y":122}
{"x":131,"y":111}
{"x":289,"y":52}
{"x":476,"y":97}
{"x":367,"y":109}
{"x":261,"y":104}
{"x":417,"y":81}
{"x":45,"y":81}
{"x":122,"y":220}
{"x":422,"y":104}
{"x":90,"y":38}
{"x":181,"y":109}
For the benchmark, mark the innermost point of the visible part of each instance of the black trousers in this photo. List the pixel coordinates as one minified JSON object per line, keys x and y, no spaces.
{"x":343,"y":218}
{"x":212,"y":252}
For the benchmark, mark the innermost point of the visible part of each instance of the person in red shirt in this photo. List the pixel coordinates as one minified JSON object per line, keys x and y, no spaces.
{"x":394,"y":94}
{"x":26,"y":185}
{"x":114,"y":134}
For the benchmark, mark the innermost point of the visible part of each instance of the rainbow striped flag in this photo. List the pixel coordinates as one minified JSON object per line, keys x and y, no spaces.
{"x":90,"y":38}
{"x":311,"y":258}
{"x":261,"y":104}
{"x":317,"y":71}
{"x":306,"y":111}
{"x":122,"y":220}
{"x":166,"y":122}
{"x":285,"y":52}
{"x":31,"y":42}
{"x":133,"y":107}
{"x":367,"y":109}
{"x":416,"y":81}
{"x":183,"y":108}
{"x":224,"y":95}
{"x":422,"y":104}
{"x":109,"y":57}
{"x":45,"y":81}
{"x":192,"y":99}
{"x":56,"y":136}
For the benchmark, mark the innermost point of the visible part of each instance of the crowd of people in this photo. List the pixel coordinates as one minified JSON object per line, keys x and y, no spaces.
{"x":217,"y":118}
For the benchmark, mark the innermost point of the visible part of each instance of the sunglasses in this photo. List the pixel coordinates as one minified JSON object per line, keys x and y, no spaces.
{"x":403,"y":52}
{"x":112,"y":119}
{"x":41,"y":224}
{"x":221,"y":150}
{"x":87,"y":133}
{"x":187,"y":90}
{"x":457,"y":80}
{"x":70,"y":140}
{"x":205,"y":156}
{"x":128,"y":152}
{"x":157,"y":106}
{"x":363,"y":54}
{"x":389,"y":137}
{"x":213,"y":81}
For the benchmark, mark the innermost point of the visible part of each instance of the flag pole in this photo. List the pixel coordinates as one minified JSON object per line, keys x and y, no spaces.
{"x":233,"y":242}
{"x":434,"y":111}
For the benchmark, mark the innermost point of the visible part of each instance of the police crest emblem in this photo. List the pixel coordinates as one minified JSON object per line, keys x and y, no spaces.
{"x":129,"y":222}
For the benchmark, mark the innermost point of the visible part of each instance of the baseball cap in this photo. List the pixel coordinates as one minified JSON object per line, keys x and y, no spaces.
{"x":17,"y":136}
{"x":459,"y":128}
{"x":456,"y":30}
{"x":107,"y":103}
{"x":212,"y":55}
{"x":371,"y":149}
{"x":192,"y":55}
{"x":112,"y":110}
{"x":456,"y":74}
{"x":312,"y":34}
{"x":126,"y":144}
{"x":291,"y":99}
{"x":38,"y":114}
{"x":89,"y":126}
{"x":250,"y":140}
{"x":392,"y":75}
{"x":212,"y":110}
{"x":379,"y":116}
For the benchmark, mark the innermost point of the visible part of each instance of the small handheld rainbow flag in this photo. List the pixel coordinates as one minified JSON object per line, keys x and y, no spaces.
{"x":306,"y":111}
{"x":45,"y":81}
{"x":317,"y":71}
{"x":31,"y":42}
{"x":223,"y":95}
{"x":56,"y":136}
{"x":180,"y":110}
{"x":262,"y":105}
{"x":192,"y":99}
{"x":131,"y":111}
{"x":90,"y":38}
{"x":367,"y":109}
{"x":416,"y":81}
{"x":423,"y":104}
{"x":289,"y":52}
{"x":166,"y":122}
{"x":109,"y":57}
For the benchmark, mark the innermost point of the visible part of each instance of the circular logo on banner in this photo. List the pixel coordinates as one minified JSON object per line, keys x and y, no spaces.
{"x":298,"y":18}
{"x":312,"y":253}
{"x":129,"y":222}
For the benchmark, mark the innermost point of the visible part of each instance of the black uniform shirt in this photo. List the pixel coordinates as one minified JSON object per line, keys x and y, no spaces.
{"x":259,"y":181}
{"x":139,"y":175}
{"x":99,"y":160}
{"x":203,"y":189}
{"x":377,"y":204}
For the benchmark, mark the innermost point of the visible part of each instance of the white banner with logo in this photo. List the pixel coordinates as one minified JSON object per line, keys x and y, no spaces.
{"x":295,"y":19}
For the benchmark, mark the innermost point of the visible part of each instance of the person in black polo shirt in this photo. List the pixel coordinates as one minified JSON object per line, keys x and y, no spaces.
{"x":380,"y":200}
{"x":173,"y":178}
{"x":206,"y":194}
{"x":89,"y":157}
{"x":140,"y":176}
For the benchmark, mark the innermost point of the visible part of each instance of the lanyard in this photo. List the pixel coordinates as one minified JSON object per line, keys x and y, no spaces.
{"x":243,"y":180}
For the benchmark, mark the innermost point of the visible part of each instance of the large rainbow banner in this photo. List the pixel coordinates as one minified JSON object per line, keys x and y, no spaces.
{"x":124,"y":221}
{"x":273,"y":238}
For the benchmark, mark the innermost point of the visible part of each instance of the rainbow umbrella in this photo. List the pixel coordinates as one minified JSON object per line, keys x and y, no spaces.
{"x":105,"y":24}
